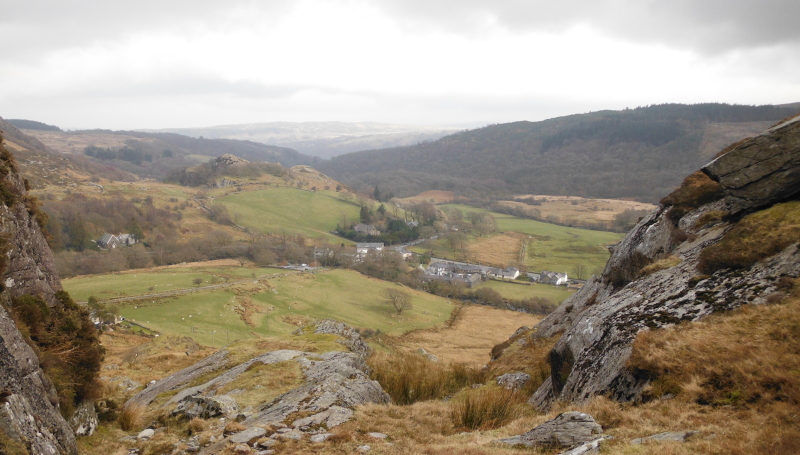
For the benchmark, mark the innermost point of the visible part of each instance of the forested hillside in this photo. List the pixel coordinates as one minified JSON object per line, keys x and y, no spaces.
{"x":640,"y":153}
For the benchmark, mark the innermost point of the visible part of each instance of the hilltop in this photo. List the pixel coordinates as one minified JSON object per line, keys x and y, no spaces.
{"x":640,"y":153}
{"x":154,"y":155}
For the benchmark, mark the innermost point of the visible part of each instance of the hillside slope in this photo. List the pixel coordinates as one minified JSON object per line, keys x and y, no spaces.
{"x":727,"y":237}
{"x":41,"y":165}
{"x":640,"y":153}
{"x":154,"y":155}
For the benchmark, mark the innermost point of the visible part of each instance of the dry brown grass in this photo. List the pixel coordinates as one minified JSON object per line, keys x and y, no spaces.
{"x":409,"y":378}
{"x":432,"y":196}
{"x":662,"y":264}
{"x":580,"y":211}
{"x":233,"y":427}
{"x":486,"y":408}
{"x":470,"y":338}
{"x":130,"y":418}
{"x":196,"y":426}
{"x":499,"y":250}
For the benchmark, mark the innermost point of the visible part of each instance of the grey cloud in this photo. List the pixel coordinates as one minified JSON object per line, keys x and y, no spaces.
{"x":33,"y":27}
{"x":709,"y":26}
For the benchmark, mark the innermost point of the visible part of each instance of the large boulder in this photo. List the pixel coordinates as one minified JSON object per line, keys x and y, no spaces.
{"x":206,"y":407}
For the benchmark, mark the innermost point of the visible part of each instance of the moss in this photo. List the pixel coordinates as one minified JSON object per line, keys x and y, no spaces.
{"x":10,"y":446}
{"x":757,"y":236}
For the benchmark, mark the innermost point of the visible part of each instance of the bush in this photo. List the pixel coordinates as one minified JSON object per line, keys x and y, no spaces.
{"x":486,"y":408}
{"x":66,"y":342}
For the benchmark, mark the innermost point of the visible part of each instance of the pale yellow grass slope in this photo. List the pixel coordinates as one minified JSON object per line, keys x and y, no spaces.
{"x":470,"y":338}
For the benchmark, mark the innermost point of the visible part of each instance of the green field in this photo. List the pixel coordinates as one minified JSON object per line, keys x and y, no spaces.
{"x":138,"y":282}
{"x":291,"y":210}
{"x":554,"y":247}
{"x":279,"y":304}
{"x":555,"y":294}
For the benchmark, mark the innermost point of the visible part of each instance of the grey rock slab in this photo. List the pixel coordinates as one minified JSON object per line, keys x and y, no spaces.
{"x":566,"y":430}
{"x":587,"y":447}
{"x":242,"y":449}
{"x":513,"y":381}
{"x":146,"y":434}
{"x":761,"y":170}
{"x":84,"y":420}
{"x":294,"y":435}
{"x":363,"y":449}
{"x":247,"y":436}
{"x":266,"y":443}
{"x":207,"y":406}
{"x":667,"y":436}
{"x":377,"y":435}
{"x":350,"y":337}
{"x":322,"y":437}
{"x":269,"y":358}
{"x":177,"y":380}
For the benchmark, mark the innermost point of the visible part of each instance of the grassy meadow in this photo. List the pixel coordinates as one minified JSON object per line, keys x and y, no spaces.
{"x":163,"y":279}
{"x":276,"y":210}
{"x":556,"y":294}
{"x":274,"y":305}
{"x":550,"y":246}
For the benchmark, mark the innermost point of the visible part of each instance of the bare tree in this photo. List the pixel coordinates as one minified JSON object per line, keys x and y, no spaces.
{"x":399,"y":300}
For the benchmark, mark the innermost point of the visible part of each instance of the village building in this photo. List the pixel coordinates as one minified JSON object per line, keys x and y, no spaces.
{"x":363,"y":248}
{"x":111,"y":241}
{"x":366,"y":229}
{"x":555,"y":278}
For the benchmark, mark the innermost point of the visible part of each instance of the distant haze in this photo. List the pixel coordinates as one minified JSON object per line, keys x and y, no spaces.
{"x":323,"y":139}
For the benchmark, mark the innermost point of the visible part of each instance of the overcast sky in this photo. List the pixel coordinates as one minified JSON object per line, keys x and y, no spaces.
{"x":159,"y":64}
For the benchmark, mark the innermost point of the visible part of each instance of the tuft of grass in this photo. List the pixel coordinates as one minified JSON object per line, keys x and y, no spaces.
{"x":409,"y":378}
{"x":697,"y":189}
{"x":130,"y":418}
{"x":196,"y":426}
{"x":486,"y":408}
{"x":233,"y":427}
{"x":662,"y":264}
{"x":756,"y":236}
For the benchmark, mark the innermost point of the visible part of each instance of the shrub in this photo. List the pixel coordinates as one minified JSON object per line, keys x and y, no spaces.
{"x":66,"y":342}
{"x":486,"y":408}
{"x":409,"y":378}
{"x":757,"y":236}
{"x":131,"y":417}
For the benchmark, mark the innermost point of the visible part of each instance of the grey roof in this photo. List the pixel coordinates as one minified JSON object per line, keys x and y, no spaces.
{"x":370,"y":245}
{"x":107,"y":238}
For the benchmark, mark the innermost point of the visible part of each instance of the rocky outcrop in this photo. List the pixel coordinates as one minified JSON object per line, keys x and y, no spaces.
{"x":229,"y":160}
{"x":333,"y":383}
{"x":568,"y":429}
{"x":762,"y":170}
{"x":28,"y":400}
{"x":600,"y":322}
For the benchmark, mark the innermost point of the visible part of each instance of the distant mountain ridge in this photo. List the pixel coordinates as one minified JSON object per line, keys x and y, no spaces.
{"x":323,"y":139}
{"x":640,"y":153}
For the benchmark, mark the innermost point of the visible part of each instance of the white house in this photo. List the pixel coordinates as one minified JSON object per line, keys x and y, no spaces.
{"x":363,"y":248}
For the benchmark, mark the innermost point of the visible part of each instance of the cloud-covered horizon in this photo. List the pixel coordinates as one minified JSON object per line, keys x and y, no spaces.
{"x":198,"y":63}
